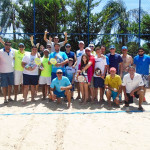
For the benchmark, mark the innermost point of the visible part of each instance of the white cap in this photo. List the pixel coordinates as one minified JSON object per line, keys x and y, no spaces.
{"x":46,"y":50}
{"x":88,"y":48}
{"x":81,"y":42}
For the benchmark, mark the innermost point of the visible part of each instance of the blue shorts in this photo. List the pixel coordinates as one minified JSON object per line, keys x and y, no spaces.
{"x":98,"y":82}
{"x":30,"y":79}
{"x":53,"y":75}
{"x":7,"y":79}
{"x":114,"y":95}
{"x":59,"y":94}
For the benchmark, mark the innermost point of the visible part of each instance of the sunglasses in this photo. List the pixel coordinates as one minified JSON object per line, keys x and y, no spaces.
{"x":59,"y":72}
{"x":68,"y":46}
{"x":141,"y":51}
{"x":91,"y":46}
{"x":87,"y":50}
{"x":7,"y":44}
{"x":21,"y":46}
{"x":48,"y":47}
{"x":112,"y":49}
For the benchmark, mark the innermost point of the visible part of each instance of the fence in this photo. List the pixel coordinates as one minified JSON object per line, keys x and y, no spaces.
{"x":101,"y":22}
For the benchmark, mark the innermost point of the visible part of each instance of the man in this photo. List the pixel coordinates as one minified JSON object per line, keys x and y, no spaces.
{"x":30,"y":73}
{"x":142,"y":62}
{"x":70,"y":54}
{"x":60,"y":87}
{"x":45,"y":77}
{"x":133,"y":86}
{"x":56,"y":41}
{"x":41,"y":52}
{"x":127,"y":61}
{"x":100,"y":63}
{"x":18,"y":73}
{"x":113,"y":87}
{"x":7,"y":70}
{"x":115,"y":60}
{"x":91,"y":63}
{"x":61,"y":59}
{"x":91,"y":45}
{"x":79,"y":54}
{"x":48,"y":46}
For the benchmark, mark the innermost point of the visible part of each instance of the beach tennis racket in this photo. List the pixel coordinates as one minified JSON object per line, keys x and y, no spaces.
{"x":98,"y":72}
{"x":81,"y":78}
{"x":53,"y":61}
{"x":37,"y":61}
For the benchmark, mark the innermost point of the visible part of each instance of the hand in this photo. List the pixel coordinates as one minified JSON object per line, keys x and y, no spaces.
{"x":57,"y":65}
{"x":89,"y":83}
{"x":49,"y":63}
{"x":53,"y":97}
{"x":126,"y":98}
{"x":65,"y":33}
{"x":132,"y":93}
{"x":46,"y":32}
{"x":73,"y":66}
{"x":63,"y":88}
{"x":79,"y":71}
{"x":31,"y":38}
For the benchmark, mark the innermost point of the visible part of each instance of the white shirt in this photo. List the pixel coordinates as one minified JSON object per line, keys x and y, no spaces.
{"x":29,"y":59}
{"x":79,"y":54}
{"x":52,"y":45}
{"x":132,"y":84}
{"x":100,"y":63}
{"x":7,"y":61}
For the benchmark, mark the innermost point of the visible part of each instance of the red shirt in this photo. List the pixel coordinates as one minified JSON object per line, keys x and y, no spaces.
{"x":92,"y":59}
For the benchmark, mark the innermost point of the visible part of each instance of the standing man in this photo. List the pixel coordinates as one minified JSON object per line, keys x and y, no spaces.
{"x":61,"y":59}
{"x":91,"y":45}
{"x":30,"y":73}
{"x":70,"y":54}
{"x":127,"y":61}
{"x":7,"y":70}
{"x":18,"y":73}
{"x":115,"y":60}
{"x":113,"y":87}
{"x":60,"y":87}
{"x":79,"y":54}
{"x":56,"y":41}
{"x":133,"y":86}
{"x":142,"y":62}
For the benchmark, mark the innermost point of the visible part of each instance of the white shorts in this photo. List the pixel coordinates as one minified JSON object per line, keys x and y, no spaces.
{"x":45,"y":80}
{"x":18,"y":77}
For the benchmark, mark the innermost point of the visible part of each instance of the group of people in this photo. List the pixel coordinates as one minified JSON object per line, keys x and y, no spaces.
{"x":88,"y":70}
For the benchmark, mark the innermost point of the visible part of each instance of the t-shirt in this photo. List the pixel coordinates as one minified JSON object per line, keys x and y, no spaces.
{"x":29,"y":59}
{"x":57,"y":84}
{"x":107,"y":59}
{"x":132,"y":84}
{"x":114,"y":61}
{"x":7,"y":61}
{"x":100,"y":63}
{"x":18,"y":60}
{"x":92,"y":59}
{"x":127,"y":61}
{"x":69,"y":72}
{"x":79,"y":54}
{"x":113,"y":82}
{"x":60,"y":57}
{"x":46,"y":72}
{"x":142,"y":64}
{"x":52,"y":45}
{"x":70,"y":55}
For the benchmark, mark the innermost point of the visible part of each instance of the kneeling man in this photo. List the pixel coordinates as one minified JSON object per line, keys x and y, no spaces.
{"x":60,"y":87}
{"x":133,"y":86}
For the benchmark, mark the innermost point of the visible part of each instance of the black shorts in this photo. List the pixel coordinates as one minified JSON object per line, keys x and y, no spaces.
{"x":98,"y":82}
{"x":130,"y":98}
{"x":30,"y":79}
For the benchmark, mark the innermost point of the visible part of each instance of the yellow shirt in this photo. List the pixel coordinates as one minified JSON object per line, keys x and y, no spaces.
{"x":113,"y":82}
{"x":18,"y":60}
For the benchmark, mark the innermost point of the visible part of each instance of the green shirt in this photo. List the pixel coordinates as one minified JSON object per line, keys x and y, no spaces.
{"x":46,"y":72}
{"x":18,"y":60}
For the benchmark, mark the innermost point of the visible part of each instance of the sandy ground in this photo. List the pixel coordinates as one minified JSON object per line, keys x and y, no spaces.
{"x":103,"y":131}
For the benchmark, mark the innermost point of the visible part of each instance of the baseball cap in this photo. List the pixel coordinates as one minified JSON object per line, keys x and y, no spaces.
{"x":46,"y":50}
{"x":124,"y":47}
{"x":59,"y":70}
{"x":68,"y":44}
{"x":70,"y":59}
{"x":112,"y":47}
{"x":56,"y":37}
{"x":112,"y":69}
{"x":81,"y":42}
{"x":21,"y":44}
{"x":88,"y":48}
{"x":91,"y":44}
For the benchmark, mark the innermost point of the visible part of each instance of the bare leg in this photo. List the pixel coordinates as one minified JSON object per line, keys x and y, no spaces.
{"x":92,"y":93}
{"x":86,"y":92}
{"x":78,"y":90}
{"x":101,"y":93}
{"x":68,"y":94}
{"x":43,"y":91}
{"x":9,"y":91}
{"x":25,"y":92}
{"x":82,"y":91}
{"x":16,"y":92}
{"x":32,"y":92}
{"x":108,"y":95}
{"x":4,"y":92}
{"x":141,"y":97}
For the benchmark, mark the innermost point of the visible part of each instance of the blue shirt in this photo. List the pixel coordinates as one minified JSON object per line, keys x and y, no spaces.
{"x":70,"y":55}
{"x":57,"y":84}
{"x":142,"y":64}
{"x":114,"y":61}
{"x":60,"y":57}
{"x":69,"y":72}
{"x":107,"y":60}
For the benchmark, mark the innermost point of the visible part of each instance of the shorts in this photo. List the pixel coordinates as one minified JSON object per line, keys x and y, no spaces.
{"x":45,"y":80}
{"x":114,"y":95}
{"x":98,"y":82}
{"x":53,"y":75}
{"x":59,"y":94}
{"x":18,"y":77}
{"x":30,"y":79}
{"x":130,"y":98}
{"x":7,"y":79}
{"x":145,"y":80}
